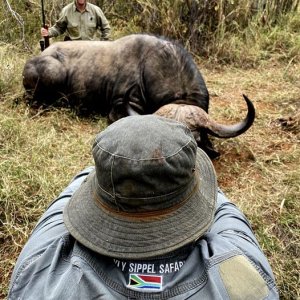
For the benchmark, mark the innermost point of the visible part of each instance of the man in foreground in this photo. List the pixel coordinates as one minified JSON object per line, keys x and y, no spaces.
{"x":81,"y":21}
{"x":147,"y":222}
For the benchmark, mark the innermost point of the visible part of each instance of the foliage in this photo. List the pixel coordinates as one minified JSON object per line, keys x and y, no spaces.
{"x":241,"y":32}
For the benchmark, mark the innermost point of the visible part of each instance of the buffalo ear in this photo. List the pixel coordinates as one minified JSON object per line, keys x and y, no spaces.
{"x":128,"y":105}
{"x":134,"y":100}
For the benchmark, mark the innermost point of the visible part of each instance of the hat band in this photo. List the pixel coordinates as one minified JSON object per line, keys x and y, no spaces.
{"x":116,"y":210}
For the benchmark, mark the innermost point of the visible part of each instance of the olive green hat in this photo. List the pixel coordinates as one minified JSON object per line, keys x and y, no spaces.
{"x":152,"y":191}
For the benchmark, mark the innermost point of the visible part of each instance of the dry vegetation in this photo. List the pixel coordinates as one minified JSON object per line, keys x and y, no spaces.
{"x":260,"y":170}
{"x":40,"y":151}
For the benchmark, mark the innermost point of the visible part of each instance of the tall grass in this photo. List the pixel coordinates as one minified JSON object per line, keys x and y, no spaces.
{"x":241,"y":32}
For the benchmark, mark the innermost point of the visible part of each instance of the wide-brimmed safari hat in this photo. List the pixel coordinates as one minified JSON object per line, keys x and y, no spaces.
{"x":152,"y":190}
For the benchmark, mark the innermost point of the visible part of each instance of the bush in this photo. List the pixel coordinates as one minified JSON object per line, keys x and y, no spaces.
{"x":221,"y":30}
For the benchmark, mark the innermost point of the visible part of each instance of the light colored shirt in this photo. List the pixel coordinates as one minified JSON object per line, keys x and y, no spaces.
{"x":81,"y":26}
{"x":226,"y":263}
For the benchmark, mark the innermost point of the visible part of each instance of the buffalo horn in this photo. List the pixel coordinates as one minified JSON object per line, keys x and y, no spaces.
{"x":196,"y":118}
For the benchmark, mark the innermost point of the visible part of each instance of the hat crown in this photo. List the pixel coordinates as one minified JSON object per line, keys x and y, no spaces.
{"x":146,"y":173}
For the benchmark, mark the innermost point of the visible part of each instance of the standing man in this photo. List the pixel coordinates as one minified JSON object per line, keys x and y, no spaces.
{"x":81,"y":21}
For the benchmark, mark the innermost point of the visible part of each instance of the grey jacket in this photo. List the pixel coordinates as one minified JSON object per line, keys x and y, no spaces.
{"x":226,"y":263}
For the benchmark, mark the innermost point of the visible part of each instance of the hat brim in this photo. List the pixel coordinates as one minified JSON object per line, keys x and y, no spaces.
{"x":118,"y":236}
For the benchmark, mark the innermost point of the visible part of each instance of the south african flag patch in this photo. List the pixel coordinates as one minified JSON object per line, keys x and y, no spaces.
{"x":145,"y":282}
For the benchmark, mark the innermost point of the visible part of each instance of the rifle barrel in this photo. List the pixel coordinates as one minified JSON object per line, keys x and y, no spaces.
{"x":46,"y":38}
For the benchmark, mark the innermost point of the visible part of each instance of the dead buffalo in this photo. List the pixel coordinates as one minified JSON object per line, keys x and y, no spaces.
{"x":137,"y":73}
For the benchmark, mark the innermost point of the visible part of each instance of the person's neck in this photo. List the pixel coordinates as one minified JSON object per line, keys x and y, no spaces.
{"x":80,"y":7}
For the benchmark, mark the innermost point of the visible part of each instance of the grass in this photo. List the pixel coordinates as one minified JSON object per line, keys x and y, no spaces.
{"x":38,"y":155}
{"x":260,"y":169}
{"x":40,"y":151}
{"x":235,"y":32}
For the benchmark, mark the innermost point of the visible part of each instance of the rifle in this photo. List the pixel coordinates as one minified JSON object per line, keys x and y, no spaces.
{"x":44,"y":43}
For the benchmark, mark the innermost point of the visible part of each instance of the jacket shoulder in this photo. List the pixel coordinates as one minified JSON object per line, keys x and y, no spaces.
{"x":69,"y":7}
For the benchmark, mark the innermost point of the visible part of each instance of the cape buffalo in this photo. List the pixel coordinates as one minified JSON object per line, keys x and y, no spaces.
{"x":138,"y":73}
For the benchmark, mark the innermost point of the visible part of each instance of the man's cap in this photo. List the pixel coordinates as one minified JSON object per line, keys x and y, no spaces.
{"x":152,"y":190}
